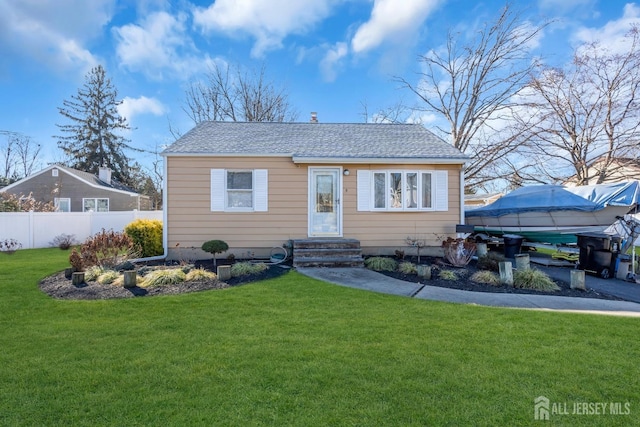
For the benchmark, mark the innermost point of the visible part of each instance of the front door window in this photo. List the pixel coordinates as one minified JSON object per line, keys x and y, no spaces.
{"x":325,"y":202}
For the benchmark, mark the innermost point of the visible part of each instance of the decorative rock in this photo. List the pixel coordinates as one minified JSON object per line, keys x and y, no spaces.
{"x":130,"y":279}
{"x":77,"y":278}
{"x":481,"y":249}
{"x":577,"y":280}
{"x":224,"y":272}
{"x":522,"y":261}
{"x":506,"y":273}
{"x":424,"y":271}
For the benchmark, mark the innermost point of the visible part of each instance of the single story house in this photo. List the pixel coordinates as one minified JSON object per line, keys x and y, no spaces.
{"x":258,"y":185}
{"x":72,"y":190}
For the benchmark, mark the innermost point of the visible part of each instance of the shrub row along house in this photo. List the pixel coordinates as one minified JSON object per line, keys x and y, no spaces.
{"x":72,"y":190}
{"x":257,"y":185}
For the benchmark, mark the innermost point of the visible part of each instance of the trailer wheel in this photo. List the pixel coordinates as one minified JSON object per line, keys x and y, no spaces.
{"x":604,"y":273}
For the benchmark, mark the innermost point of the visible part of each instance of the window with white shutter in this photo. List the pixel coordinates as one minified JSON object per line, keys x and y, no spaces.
{"x":239,"y":190}
{"x":402,"y":190}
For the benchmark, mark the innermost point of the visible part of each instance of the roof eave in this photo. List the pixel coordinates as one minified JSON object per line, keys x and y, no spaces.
{"x":382,"y":160}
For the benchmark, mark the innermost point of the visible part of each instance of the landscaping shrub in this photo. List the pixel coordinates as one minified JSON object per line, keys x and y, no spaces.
{"x":146,"y":235}
{"x":247,"y":268}
{"x":458,"y":251}
{"x":215,"y":247}
{"x":378,"y":263}
{"x":486,"y":277}
{"x":530,"y":278}
{"x":64,"y":241}
{"x":490,"y":262}
{"x":9,"y":246}
{"x":407,"y":268}
{"x":171,"y":276}
{"x":106,"y":249}
{"x":447,"y":275}
{"x":200,"y":274}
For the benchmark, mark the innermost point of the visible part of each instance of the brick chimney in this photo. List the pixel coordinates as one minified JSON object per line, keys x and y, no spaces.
{"x":105,"y":175}
{"x":314,"y":117}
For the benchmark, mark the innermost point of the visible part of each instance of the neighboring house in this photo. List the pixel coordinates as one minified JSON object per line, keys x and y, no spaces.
{"x":618,"y":169}
{"x":478,"y":200}
{"x":72,"y":190}
{"x":257,"y":185}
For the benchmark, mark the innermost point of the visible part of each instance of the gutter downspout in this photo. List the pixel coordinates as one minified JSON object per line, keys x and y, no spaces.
{"x":164,"y":219}
{"x":462,"y":219}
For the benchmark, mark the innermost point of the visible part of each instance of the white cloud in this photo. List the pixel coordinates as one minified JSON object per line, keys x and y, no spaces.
{"x":391,"y":20}
{"x":562,"y":7}
{"x":332,"y":60}
{"x":611,"y":35}
{"x":131,"y":107}
{"x":44,"y":31}
{"x":268,"y":21}
{"x":160,"y":44}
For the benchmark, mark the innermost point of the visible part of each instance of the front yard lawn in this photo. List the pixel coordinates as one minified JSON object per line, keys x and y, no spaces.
{"x":295,"y":351}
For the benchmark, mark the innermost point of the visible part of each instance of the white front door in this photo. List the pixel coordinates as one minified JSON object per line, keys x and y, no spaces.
{"x":325,"y":207}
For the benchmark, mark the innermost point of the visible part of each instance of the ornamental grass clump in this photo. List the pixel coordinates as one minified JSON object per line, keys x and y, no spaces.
{"x":486,"y":277}
{"x":530,"y":278}
{"x":407,"y":268}
{"x":378,"y":263}
{"x":171,"y":276}
{"x":247,"y":268}
{"x":91,"y":274}
{"x":108,"y":277}
{"x":200,"y":274}
{"x":447,"y":275}
{"x":491,"y":261}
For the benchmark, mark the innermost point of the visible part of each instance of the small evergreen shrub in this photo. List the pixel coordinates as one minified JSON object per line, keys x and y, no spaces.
{"x":486,"y":277}
{"x":407,"y":268}
{"x":215,"y":247}
{"x":379,"y":263}
{"x":247,"y":268}
{"x":531,"y":278}
{"x":146,"y":235}
{"x":447,"y":275}
{"x":199,"y":274}
{"x":171,"y":276}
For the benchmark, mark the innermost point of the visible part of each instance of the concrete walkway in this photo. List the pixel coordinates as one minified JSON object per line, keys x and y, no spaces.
{"x":362,"y":278}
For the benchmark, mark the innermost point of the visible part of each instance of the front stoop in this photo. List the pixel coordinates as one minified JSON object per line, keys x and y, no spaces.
{"x":327,"y":253}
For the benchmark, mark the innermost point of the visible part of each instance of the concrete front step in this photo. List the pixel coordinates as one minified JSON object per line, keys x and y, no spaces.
{"x":327,"y":253}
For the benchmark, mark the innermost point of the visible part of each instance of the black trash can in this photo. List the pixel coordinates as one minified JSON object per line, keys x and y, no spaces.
{"x":512,"y":245}
{"x":599,"y":253}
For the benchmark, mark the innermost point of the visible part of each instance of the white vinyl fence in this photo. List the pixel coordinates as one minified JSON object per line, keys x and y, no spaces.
{"x":38,"y":229}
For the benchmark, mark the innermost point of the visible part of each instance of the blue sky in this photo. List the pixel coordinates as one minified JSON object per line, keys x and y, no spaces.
{"x":331,"y":55}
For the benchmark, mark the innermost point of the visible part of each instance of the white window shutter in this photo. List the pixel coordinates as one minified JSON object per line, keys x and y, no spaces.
{"x":217,"y":190}
{"x":364,"y":190}
{"x":442,"y":190}
{"x":260,"y":188}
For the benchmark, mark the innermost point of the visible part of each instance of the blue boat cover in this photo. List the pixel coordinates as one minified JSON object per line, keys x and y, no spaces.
{"x":547,"y":198}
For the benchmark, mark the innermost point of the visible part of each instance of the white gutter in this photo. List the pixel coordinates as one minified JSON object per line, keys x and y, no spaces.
{"x":381,"y":160}
{"x":164,"y":221}
{"x":462,"y":219}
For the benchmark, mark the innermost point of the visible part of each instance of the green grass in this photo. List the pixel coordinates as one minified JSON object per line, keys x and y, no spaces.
{"x":295,"y":351}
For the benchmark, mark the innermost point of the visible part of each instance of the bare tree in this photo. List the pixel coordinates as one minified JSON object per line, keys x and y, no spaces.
{"x":19,"y":156}
{"x":235,"y":95}
{"x":588,"y":118}
{"x":398,"y":112}
{"x":473,"y":86}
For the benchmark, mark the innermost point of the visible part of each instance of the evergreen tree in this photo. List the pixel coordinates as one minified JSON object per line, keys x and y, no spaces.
{"x":91,"y":139}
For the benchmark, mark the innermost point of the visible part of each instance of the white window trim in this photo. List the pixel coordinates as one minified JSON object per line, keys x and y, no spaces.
{"x":57,"y":200}
{"x":439,"y":190}
{"x":259,"y":191}
{"x":96,"y":204}
{"x":54,"y":172}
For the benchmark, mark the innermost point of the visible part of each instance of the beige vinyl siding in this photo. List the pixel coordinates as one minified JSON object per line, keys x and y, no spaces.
{"x":386,"y":231}
{"x":190,"y":221}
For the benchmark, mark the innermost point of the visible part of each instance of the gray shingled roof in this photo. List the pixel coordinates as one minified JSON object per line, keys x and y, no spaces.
{"x":93,"y":179}
{"x":315,"y":140}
